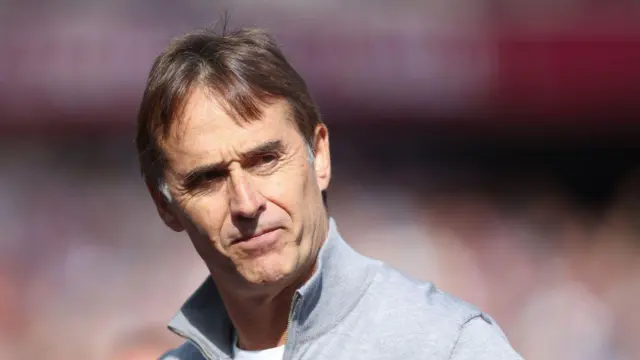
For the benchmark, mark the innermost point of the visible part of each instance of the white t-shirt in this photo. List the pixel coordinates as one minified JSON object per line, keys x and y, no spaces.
{"x":276,"y":353}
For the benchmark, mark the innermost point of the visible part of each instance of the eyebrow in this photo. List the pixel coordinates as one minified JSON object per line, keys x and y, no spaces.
{"x":273,"y":146}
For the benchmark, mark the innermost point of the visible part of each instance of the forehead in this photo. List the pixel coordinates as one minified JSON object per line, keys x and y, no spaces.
{"x":206,"y":131}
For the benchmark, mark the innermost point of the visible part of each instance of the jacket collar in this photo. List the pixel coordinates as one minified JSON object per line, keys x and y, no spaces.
{"x":342,"y":277}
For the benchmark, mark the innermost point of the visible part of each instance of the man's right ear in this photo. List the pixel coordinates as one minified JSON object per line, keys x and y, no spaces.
{"x":162,"y":198}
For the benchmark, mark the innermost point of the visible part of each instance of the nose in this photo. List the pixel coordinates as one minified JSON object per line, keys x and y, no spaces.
{"x":245,"y":201}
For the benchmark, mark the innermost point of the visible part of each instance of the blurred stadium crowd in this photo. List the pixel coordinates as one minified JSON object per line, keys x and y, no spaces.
{"x":488,"y":146}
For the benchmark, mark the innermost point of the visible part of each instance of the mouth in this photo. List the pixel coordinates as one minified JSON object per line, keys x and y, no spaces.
{"x":258,"y":243}
{"x":255,"y":236}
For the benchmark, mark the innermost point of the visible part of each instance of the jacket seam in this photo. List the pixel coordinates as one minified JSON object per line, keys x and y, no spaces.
{"x":460,"y":330}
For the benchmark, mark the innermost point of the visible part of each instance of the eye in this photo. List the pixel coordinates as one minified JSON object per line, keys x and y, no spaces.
{"x":212,"y":176}
{"x":267,"y":158}
{"x":264,"y":162}
{"x":205,"y":178}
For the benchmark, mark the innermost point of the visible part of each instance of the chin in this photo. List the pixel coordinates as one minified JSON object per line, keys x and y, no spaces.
{"x":267,"y":271}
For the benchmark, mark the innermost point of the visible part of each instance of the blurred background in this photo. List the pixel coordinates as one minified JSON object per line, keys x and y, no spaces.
{"x":489,"y":146}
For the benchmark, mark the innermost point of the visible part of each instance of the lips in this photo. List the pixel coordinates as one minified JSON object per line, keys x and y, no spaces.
{"x":252,"y":236}
{"x":258,"y":244}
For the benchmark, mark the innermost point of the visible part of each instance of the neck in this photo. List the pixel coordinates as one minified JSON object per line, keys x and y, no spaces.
{"x":261,"y":322}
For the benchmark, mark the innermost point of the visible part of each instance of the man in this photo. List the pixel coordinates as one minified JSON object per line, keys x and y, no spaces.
{"x":234,"y":153}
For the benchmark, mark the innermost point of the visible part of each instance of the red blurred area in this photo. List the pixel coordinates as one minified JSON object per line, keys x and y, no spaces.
{"x":585,"y":70}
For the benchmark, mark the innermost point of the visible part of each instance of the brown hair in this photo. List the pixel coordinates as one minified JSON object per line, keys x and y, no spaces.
{"x":245,"y":68}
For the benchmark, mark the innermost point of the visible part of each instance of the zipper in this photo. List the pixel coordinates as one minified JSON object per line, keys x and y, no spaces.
{"x":289,"y":339}
{"x":289,"y":344}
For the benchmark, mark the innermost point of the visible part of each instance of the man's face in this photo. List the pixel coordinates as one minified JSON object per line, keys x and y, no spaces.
{"x":247,"y":193}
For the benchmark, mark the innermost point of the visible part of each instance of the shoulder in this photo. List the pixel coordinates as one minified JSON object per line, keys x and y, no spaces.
{"x":421,"y":300}
{"x":186,"y":351}
{"x":423,"y":314}
{"x":482,"y":338}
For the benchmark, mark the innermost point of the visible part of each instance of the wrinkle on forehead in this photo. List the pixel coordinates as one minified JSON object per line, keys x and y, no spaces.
{"x":191,"y":109}
{"x":206,"y":128}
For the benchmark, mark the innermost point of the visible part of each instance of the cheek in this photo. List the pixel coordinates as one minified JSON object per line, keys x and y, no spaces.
{"x":205,"y":216}
{"x":286,"y":189}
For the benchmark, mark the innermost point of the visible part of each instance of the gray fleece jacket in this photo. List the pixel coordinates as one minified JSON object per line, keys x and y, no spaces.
{"x":353,"y":308}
